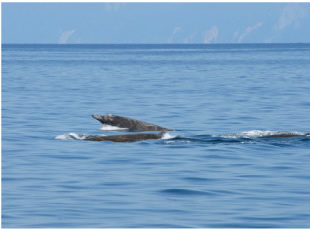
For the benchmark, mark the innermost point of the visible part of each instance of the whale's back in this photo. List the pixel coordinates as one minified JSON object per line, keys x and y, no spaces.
{"x":129,"y":123}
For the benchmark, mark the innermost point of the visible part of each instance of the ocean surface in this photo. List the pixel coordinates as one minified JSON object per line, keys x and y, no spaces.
{"x":215,"y":169}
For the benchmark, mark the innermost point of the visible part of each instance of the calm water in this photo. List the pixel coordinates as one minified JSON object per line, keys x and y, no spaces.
{"x":213,"y":171}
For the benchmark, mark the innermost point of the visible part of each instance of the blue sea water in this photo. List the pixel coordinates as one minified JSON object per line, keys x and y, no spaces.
{"x":213,"y":171}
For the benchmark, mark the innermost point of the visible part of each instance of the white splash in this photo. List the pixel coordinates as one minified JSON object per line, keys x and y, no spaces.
{"x":71,"y":136}
{"x":112,"y":128}
{"x":167,"y":136}
{"x":257,"y":133}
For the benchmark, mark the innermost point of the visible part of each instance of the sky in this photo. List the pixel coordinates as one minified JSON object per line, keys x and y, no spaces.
{"x":164,"y":23}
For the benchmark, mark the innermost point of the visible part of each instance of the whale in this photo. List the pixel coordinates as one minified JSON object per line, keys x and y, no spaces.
{"x":126,"y":137}
{"x":132,"y":125}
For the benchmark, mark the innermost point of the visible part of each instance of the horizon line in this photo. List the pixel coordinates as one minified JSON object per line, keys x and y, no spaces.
{"x":234,"y":43}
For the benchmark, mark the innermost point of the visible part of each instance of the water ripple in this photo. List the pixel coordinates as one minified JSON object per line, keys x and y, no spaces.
{"x":186,"y":192}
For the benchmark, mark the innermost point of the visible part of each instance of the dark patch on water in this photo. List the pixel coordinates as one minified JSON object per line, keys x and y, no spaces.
{"x":186,"y":192}
{"x":199,"y":179}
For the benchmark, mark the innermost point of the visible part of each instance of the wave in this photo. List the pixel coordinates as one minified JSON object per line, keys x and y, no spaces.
{"x":247,"y":137}
{"x":265,"y":134}
{"x":186,"y":192}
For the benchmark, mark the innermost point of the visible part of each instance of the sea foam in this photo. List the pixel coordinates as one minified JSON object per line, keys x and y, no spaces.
{"x":167,"y":136}
{"x":71,"y":136}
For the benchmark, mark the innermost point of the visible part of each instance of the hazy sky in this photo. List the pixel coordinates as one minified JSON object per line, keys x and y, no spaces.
{"x":155,"y":22}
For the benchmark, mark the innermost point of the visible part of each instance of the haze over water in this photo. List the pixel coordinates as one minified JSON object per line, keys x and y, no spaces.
{"x":213,"y":171}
